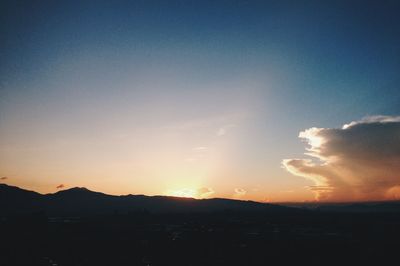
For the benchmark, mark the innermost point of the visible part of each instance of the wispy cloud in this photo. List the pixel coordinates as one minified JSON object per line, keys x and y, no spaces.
{"x":239,"y":192}
{"x":200,"y":149}
{"x":3,"y":178}
{"x":197,"y":153}
{"x":223,"y":130}
{"x":359,"y":161}
{"x":60,"y":186}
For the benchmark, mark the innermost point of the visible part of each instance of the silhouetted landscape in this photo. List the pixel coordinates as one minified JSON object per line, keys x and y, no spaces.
{"x":81,"y":227}
{"x":83,"y":202}
{"x":225,"y":133}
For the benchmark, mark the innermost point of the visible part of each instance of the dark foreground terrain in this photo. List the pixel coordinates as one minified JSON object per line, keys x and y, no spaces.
{"x":267,"y":236}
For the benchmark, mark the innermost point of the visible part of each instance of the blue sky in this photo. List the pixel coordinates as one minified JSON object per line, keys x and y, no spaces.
{"x":101,"y":93}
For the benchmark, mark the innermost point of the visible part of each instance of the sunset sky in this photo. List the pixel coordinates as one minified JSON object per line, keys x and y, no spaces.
{"x":262,"y":100}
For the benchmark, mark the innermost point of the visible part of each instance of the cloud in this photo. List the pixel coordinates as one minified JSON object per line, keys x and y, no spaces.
{"x":205,"y":192}
{"x":60,"y":186}
{"x":197,"y":153}
{"x":200,"y":149}
{"x":239,"y":192}
{"x":3,"y":178}
{"x":224,"y":129}
{"x":359,"y":161}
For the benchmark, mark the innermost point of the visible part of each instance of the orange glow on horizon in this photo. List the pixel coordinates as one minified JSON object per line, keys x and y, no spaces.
{"x":183,"y":193}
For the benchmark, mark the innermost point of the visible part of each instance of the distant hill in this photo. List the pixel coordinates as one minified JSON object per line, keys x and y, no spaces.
{"x":17,"y":200}
{"x":81,"y":201}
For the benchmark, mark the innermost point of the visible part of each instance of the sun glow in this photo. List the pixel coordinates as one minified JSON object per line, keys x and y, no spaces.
{"x":183,"y":193}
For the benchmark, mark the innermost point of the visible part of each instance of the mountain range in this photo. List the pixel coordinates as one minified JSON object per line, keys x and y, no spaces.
{"x":80,"y":201}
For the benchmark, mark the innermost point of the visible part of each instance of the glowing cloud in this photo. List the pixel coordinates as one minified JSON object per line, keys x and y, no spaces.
{"x":239,"y":192}
{"x":191,"y":193}
{"x":360,"y":161}
{"x":184,"y":193}
{"x":205,"y":192}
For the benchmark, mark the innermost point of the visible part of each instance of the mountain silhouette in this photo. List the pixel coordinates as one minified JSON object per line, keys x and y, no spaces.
{"x":82,"y":201}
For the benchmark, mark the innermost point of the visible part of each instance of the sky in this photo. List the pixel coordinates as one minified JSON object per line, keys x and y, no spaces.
{"x":258,"y":100}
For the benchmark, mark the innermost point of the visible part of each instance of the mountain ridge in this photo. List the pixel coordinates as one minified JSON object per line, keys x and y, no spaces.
{"x":82,"y":201}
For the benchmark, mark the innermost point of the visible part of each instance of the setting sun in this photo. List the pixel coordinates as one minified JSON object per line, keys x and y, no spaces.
{"x":157,"y":98}
{"x":199,"y":193}
{"x":233,"y":132}
{"x":184,"y":193}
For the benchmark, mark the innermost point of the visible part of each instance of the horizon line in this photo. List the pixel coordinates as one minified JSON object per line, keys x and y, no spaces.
{"x":181,"y":197}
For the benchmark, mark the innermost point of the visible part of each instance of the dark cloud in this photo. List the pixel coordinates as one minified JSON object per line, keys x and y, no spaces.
{"x":359,"y":161}
{"x":60,"y":186}
{"x":3,"y":178}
